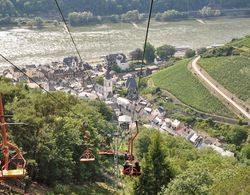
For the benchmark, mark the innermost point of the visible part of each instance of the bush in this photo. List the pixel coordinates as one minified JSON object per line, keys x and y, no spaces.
{"x":201,"y":50}
{"x":170,"y":15}
{"x":190,"y":53}
{"x":220,"y":51}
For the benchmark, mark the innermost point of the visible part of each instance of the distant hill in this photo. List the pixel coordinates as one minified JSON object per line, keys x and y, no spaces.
{"x":109,"y":7}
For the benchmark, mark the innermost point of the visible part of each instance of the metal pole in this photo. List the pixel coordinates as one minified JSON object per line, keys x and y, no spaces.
{"x":5,"y":142}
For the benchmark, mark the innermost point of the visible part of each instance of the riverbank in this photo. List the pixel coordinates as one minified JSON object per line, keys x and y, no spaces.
{"x":40,"y":46}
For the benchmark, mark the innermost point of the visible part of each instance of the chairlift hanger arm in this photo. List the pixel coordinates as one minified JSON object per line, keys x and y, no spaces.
{"x":133,"y":138}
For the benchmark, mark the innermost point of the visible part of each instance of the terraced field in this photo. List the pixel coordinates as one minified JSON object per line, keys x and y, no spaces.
{"x":181,"y":83}
{"x":233,"y":72}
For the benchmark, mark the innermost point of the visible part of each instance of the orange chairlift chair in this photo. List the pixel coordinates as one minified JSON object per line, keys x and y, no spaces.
{"x":131,"y":166}
{"x":14,"y":163}
{"x":87,"y":155}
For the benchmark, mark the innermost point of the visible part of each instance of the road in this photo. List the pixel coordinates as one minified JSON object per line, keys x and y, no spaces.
{"x":199,"y":73}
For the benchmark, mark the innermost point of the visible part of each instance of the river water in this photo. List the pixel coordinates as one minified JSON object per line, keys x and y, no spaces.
{"x":32,"y":46}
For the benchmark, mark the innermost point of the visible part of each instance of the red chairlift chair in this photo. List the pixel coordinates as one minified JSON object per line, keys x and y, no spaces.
{"x":87,"y":155}
{"x":131,"y":167}
{"x":13,"y":167}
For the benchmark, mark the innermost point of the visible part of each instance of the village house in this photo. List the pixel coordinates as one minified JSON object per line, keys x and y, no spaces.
{"x":119,"y":59}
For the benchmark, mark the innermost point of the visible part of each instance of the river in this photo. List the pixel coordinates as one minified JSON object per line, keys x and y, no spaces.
{"x":32,"y":46}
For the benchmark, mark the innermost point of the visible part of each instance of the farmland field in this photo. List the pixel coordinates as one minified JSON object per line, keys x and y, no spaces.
{"x":233,"y":72}
{"x":181,"y":83}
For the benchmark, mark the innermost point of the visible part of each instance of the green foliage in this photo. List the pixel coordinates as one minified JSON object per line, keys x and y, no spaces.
{"x":131,"y":16}
{"x":112,"y":7}
{"x":149,"y":53}
{"x":99,"y":80}
{"x":156,"y":170}
{"x":7,"y":8}
{"x":170,"y":15}
{"x":237,"y":135}
{"x":241,"y":43}
{"x":165,"y":51}
{"x":195,"y":171}
{"x":52,"y":140}
{"x":7,"y":21}
{"x":181,"y":83}
{"x":236,"y":76}
{"x":189,"y":53}
{"x":209,"y":12}
{"x":219,"y":51}
{"x":38,"y":22}
{"x":116,"y":68}
{"x":201,"y":50}
{"x":245,"y":151}
{"x":195,"y":180}
{"x":81,"y":18}
{"x":136,"y":54}
{"x":233,"y":134}
{"x":233,"y":181}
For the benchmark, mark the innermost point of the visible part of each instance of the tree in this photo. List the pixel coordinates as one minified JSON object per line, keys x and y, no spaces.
{"x":189,"y":53}
{"x":245,"y":151}
{"x":156,"y":169}
{"x":82,"y":18}
{"x":136,"y":54}
{"x":195,"y":180}
{"x":201,"y":50}
{"x":172,"y":15}
{"x":131,"y":16}
{"x":209,"y":12}
{"x":165,"y":51}
{"x":236,"y":135}
{"x":149,"y":53}
{"x":7,"y":8}
{"x":38,"y":22}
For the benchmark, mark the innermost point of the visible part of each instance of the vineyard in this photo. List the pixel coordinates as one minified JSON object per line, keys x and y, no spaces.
{"x":232,"y":72}
{"x":242,"y":42}
{"x":181,"y":83}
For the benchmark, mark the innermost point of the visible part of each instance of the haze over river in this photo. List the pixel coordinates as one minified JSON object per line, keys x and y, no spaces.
{"x":23,"y":46}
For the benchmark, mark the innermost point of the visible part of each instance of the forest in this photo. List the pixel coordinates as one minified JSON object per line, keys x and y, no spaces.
{"x":51,"y":137}
{"x":110,"y":7}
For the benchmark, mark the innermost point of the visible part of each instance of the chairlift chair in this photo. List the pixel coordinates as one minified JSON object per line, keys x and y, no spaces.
{"x":131,"y":167}
{"x":87,"y":155}
{"x":15,"y":166}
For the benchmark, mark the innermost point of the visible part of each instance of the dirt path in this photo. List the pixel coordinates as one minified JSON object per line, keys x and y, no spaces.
{"x":223,"y":94}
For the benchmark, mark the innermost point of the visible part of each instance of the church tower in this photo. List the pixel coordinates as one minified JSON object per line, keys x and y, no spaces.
{"x":107,"y":85}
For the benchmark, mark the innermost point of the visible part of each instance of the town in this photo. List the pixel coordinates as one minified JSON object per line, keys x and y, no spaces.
{"x":100,"y":81}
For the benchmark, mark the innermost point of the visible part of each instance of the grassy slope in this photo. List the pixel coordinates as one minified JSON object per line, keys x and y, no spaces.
{"x":242,"y":42}
{"x":232,"y":72}
{"x":181,"y":83}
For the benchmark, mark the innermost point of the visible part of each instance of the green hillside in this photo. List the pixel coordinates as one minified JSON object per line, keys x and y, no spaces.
{"x":181,"y":83}
{"x":242,"y":42}
{"x":51,"y":140}
{"x":232,"y":72}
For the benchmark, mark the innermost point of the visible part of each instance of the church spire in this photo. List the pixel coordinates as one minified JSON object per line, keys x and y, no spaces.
{"x":108,"y":76}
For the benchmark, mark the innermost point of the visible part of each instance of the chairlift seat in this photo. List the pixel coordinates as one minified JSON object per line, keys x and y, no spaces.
{"x":86,"y":159}
{"x":13,"y":173}
{"x":130,"y":172}
{"x":87,"y":156}
{"x":106,"y":152}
